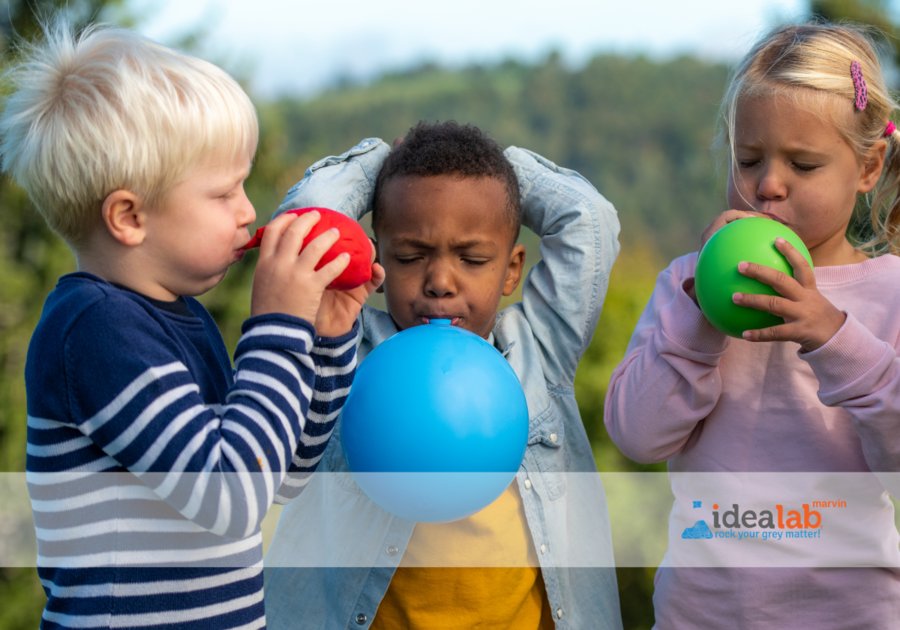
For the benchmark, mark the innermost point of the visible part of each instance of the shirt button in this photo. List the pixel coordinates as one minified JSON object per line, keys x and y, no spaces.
{"x":361,"y":618}
{"x":559,"y":613}
{"x":528,"y":484}
{"x":543,"y":548}
{"x":392,"y":550}
{"x":554,"y":438}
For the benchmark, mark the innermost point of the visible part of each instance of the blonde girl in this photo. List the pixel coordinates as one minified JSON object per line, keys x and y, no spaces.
{"x":806,"y":124}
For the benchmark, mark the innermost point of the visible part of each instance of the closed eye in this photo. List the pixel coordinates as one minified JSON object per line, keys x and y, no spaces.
{"x":234,"y":192}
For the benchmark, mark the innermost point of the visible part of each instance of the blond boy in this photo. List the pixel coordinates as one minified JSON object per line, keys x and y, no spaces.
{"x":151,"y":462}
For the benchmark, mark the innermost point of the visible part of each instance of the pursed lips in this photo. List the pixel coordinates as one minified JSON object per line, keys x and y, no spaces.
{"x":770,"y":215}
{"x":454,"y":321}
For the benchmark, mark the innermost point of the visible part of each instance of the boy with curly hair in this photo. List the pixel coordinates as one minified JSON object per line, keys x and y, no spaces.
{"x":447,"y":205}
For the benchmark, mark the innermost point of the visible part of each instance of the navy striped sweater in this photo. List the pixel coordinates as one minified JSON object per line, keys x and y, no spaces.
{"x":151,"y":462}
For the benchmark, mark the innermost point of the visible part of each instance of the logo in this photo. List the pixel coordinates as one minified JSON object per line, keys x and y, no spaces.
{"x":699,"y":529}
{"x":771,"y":524}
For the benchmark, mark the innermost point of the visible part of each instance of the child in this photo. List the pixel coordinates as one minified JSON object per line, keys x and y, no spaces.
{"x":447,"y":203}
{"x":136,"y":155}
{"x":805,"y":138}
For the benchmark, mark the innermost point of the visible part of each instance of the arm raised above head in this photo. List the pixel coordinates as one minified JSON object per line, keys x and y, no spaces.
{"x":563,"y":294}
{"x":344,"y":183}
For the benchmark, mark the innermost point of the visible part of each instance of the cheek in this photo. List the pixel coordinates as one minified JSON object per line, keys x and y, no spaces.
{"x":398,"y":291}
{"x":487,"y":294}
{"x":735,"y":193}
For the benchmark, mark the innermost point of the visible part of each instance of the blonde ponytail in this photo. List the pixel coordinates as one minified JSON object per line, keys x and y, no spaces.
{"x":885,"y":214}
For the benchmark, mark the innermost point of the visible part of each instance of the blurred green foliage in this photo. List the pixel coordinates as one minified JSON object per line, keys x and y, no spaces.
{"x":639,"y":130}
{"x":874,"y":13}
{"x":31,"y":258}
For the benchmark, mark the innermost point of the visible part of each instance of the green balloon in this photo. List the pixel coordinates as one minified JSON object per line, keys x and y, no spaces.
{"x":717,"y":278}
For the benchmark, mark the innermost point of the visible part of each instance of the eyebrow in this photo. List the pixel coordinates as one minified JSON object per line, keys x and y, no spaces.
{"x":756,"y":146}
{"x":402,"y":240}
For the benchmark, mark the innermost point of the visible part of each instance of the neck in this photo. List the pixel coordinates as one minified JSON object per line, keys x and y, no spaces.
{"x":120,"y":264}
{"x":834,"y":252}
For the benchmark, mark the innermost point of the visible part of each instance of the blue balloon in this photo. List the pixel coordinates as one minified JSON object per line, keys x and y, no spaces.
{"x":435,"y":426}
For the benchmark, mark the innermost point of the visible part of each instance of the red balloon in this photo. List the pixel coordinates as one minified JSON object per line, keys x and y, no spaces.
{"x":353,"y":241}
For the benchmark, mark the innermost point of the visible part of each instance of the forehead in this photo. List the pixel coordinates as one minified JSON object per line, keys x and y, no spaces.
{"x":444,"y":208}
{"x":799,"y":120}
{"x":219,"y":165}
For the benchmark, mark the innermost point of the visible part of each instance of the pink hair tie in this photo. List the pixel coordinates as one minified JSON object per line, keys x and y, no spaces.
{"x":891,"y":128}
{"x":859,"y":85}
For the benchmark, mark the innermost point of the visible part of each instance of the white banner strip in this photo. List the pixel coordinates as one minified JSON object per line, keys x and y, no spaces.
{"x":584,"y":520}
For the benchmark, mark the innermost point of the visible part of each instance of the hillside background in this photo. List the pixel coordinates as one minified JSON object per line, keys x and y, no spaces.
{"x":639,"y":130}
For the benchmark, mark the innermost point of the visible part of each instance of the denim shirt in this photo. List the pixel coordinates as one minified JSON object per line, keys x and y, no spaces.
{"x":335,"y":551}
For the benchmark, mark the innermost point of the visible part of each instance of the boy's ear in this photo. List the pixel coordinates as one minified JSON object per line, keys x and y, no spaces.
{"x":514,"y":269}
{"x":124,"y":217}
{"x":873,"y":164}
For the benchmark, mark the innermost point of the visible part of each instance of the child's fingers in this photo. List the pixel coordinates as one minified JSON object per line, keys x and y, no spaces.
{"x":377,"y":276}
{"x":778,"y":280}
{"x":272,"y":236}
{"x":770,"y":303}
{"x":316,"y":248}
{"x":329,"y":272}
{"x":366,"y":289}
{"x":374,"y":282}
{"x":291,"y":241}
{"x":734,"y":215}
{"x":781,"y":332}
{"x":803,"y":273}
{"x":721,"y":221}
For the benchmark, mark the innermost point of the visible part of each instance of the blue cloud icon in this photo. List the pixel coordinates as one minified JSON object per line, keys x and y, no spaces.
{"x":699,"y":530}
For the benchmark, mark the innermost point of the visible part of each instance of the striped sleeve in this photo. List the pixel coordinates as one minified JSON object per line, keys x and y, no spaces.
{"x":335,"y":365}
{"x":217,"y":465}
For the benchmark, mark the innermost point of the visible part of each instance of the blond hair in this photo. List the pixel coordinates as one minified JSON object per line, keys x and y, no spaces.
{"x":111,"y":110}
{"x":810,"y":65}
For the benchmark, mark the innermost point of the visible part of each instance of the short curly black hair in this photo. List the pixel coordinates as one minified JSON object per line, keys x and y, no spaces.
{"x":449,"y":148}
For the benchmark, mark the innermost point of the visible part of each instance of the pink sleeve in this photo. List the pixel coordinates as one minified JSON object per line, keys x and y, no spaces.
{"x":669,"y":379}
{"x":861,"y":373}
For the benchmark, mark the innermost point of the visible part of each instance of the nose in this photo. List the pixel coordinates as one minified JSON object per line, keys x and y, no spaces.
{"x":771,"y":186}
{"x":244,"y":214}
{"x":439,"y":281}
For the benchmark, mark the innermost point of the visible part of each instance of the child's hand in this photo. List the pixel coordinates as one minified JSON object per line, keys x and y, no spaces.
{"x":339,"y":309}
{"x":722,"y":220}
{"x":717,"y":224}
{"x":286,"y":280}
{"x":809,"y":318}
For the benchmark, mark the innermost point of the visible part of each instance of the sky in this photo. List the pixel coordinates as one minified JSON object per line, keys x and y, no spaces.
{"x":300,"y":47}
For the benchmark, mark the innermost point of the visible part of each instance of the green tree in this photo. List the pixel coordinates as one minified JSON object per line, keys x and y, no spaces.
{"x":32,"y":258}
{"x":868,"y":12}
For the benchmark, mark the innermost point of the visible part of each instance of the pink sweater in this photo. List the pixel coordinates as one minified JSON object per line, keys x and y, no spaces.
{"x":705,"y":402}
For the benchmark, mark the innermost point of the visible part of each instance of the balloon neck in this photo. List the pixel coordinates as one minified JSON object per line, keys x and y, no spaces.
{"x":442,"y":322}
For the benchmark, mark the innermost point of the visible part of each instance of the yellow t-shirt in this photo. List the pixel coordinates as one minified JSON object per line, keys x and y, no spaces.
{"x":478,"y":572}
